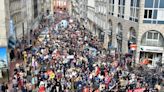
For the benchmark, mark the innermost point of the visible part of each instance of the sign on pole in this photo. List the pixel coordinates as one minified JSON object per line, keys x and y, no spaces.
{"x":133,"y":47}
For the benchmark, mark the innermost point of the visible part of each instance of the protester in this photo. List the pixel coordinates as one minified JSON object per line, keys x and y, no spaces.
{"x":72,"y":60}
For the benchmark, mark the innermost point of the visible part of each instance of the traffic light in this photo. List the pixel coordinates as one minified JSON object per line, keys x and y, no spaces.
{"x":11,"y":42}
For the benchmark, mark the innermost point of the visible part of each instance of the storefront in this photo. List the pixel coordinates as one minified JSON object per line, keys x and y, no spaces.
{"x":153,"y":54}
{"x":152,"y":47}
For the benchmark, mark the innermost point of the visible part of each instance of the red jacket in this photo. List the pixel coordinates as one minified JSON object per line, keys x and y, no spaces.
{"x":42,"y":89}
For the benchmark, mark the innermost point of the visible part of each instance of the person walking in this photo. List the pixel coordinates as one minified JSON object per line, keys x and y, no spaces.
{"x":4,"y":87}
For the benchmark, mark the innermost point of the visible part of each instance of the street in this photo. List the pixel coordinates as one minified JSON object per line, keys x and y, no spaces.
{"x":65,"y":57}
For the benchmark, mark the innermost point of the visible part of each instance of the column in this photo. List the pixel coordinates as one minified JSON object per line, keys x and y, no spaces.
{"x":114,"y":39}
{"x":125,"y":40}
{"x":106,"y":39}
{"x":52,"y":7}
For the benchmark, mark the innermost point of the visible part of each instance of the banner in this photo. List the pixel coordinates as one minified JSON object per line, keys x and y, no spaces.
{"x":137,"y":90}
{"x":3,"y":58}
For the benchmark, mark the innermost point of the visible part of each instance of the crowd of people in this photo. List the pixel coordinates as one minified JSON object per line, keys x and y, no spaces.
{"x":72,"y":59}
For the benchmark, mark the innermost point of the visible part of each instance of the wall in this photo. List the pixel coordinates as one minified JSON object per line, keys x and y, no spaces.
{"x":91,"y":3}
{"x":126,"y":25}
{"x":146,"y":27}
{"x":3,"y":31}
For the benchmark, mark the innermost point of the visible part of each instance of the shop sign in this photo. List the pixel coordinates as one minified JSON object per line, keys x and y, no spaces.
{"x":3,"y":57}
{"x":151,"y":49}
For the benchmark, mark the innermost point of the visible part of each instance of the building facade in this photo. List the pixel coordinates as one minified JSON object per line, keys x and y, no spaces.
{"x":90,"y":15}
{"x":25,"y":14}
{"x":75,"y":9}
{"x":18,"y":17}
{"x":60,"y":5}
{"x":3,"y":24}
{"x":151,"y":31}
{"x":133,"y":27}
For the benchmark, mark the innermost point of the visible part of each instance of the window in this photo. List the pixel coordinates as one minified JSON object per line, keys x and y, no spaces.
{"x":134,"y":10}
{"x":111,"y":7}
{"x":154,"y":11}
{"x":156,"y":4}
{"x":138,"y":3}
{"x":149,"y":3}
{"x":155,"y":14}
{"x":101,"y":36}
{"x":145,"y":13}
{"x":160,"y":22}
{"x":146,"y":21}
{"x":121,"y":8}
{"x":160,"y":15}
{"x":150,"y":14}
{"x":161,"y":4}
{"x":150,"y":35}
{"x":155,"y":36}
{"x":152,"y":38}
{"x":35,"y":8}
{"x":132,"y":1}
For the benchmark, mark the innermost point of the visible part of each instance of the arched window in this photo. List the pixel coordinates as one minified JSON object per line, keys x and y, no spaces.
{"x":119,"y":31}
{"x":110,"y":34}
{"x":119,"y":37}
{"x":132,"y":35}
{"x":152,"y":38}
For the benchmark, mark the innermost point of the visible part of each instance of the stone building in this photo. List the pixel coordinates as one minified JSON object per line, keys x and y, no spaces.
{"x":129,"y":27}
